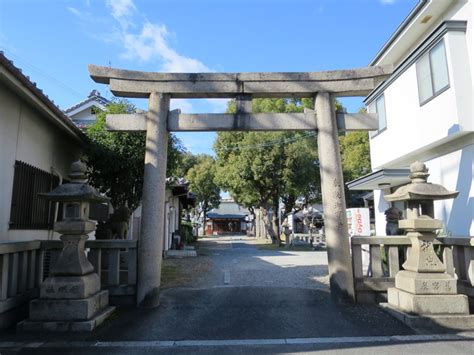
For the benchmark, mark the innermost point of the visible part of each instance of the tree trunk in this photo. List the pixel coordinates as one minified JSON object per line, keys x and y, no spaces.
{"x":204,"y":212}
{"x":252,"y":224}
{"x":276,"y":220}
{"x":269,"y":226}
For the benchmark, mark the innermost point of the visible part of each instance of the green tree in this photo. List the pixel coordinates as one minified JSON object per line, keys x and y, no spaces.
{"x":259,"y":169}
{"x":116,"y":159}
{"x":202,"y":183}
{"x":355,"y":154}
{"x":355,"y":157}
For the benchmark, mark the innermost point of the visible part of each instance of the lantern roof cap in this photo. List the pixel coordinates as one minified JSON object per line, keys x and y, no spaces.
{"x":419,"y":188}
{"x":77,"y":190}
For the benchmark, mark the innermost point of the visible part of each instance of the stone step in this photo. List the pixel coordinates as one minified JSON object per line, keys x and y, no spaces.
{"x":63,"y":326}
{"x":430,"y":323}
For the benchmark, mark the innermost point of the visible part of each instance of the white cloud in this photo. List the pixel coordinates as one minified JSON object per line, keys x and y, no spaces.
{"x":84,"y":16}
{"x":143,"y":41}
{"x":74,"y":11}
{"x":122,"y":11}
{"x":387,"y":2}
{"x":184,"y":105}
{"x":121,"y":8}
{"x":151,"y":43}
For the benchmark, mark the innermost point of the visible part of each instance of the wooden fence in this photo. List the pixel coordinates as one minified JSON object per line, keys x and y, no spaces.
{"x":387,"y":254}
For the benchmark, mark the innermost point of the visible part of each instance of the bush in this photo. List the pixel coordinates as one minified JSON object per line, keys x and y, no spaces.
{"x":186,"y":232}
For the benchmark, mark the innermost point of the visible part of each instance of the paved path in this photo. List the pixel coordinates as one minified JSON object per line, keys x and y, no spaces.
{"x":242,"y":300}
{"x":242,"y":261}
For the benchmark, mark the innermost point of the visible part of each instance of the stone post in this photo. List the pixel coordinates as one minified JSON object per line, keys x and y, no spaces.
{"x":334,"y":204}
{"x":150,"y":243}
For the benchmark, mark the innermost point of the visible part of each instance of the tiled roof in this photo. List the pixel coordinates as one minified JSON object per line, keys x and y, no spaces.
{"x":93,"y":96}
{"x":227,"y":207}
{"x":211,"y":215}
{"x":39,"y":94}
{"x":83,"y":123}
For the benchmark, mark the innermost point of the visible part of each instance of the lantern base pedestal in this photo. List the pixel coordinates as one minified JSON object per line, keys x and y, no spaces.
{"x":70,"y":287}
{"x":425,"y":283}
{"x":427,"y":304}
{"x":431,"y":322}
{"x":58,"y":315}
{"x":66,"y":326}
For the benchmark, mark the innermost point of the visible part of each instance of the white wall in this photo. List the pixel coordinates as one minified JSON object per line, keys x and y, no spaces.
{"x":411,"y":126}
{"x":28,"y":137}
{"x":380,"y":205}
{"x":171,"y":218}
{"x":455,"y":172}
{"x":85,"y":114}
{"x":449,"y":116}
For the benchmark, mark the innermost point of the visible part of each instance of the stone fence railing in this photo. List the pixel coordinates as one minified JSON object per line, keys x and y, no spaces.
{"x":317,"y":239}
{"x":376,"y":260}
{"x":24,"y":266}
{"x":21,"y":266}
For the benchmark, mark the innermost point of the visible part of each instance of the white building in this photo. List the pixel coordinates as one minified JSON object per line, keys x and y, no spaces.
{"x":425,"y":111}
{"x":178,"y":198}
{"x":83,"y":114}
{"x":38,"y":143}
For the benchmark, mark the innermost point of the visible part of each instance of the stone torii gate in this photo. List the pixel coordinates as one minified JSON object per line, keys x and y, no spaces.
{"x":158,"y":121}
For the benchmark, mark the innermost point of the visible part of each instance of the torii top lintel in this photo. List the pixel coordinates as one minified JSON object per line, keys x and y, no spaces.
{"x":130,"y":83}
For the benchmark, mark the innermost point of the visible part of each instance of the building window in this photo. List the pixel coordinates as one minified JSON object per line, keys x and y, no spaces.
{"x":28,"y":211}
{"x":432,"y":73}
{"x":380,"y":109}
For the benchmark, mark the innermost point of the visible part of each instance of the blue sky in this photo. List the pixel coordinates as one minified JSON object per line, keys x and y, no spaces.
{"x":53,"y":41}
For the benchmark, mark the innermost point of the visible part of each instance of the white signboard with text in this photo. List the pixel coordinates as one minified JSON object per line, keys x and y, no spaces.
{"x":358,"y":221}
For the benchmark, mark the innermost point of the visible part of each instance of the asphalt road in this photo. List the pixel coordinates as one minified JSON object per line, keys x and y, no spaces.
{"x":249,"y":301}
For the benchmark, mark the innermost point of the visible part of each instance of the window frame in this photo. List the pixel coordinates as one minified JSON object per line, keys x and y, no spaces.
{"x":380,"y":130}
{"x":444,"y":88}
{"x":27,"y":210}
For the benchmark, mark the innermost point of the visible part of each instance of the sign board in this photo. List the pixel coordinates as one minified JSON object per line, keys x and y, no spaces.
{"x":358,"y":221}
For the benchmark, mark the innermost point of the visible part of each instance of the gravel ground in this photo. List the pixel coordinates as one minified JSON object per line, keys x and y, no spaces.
{"x":241,"y":261}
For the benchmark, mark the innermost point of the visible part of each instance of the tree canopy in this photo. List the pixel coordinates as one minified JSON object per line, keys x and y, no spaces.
{"x":201,"y":178}
{"x":116,"y":159}
{"x":355,"y":157}
{"x":261,"y":168}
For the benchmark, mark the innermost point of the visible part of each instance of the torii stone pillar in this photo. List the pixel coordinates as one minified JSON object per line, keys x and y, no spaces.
{"x":150,"y":243}
{"x":334,"y":204}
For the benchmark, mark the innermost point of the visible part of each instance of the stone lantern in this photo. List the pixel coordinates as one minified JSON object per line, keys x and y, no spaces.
{"x":423,"y":287}
{"x":71,"y":298}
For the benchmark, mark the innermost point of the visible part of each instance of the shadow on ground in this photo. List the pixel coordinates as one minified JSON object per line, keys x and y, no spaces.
{"x":240,"y":313}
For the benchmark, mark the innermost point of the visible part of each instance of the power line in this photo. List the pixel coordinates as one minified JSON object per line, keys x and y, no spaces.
{"x":44,"y":74}
{"x":270,"y":143}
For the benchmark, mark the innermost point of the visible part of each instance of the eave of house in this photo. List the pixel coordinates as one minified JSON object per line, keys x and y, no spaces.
{"x":451,"y":143}
{"x":409,"y":33}
{"x":14,"y":79}
{"x":381,"y":179}
{"x":85,"y":106}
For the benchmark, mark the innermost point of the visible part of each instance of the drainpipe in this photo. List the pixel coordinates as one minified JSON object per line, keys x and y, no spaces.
{"x":56,"y":204}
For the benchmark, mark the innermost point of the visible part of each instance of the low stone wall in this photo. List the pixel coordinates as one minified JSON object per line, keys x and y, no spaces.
{"x":24,"y":266}
{"x":385,"y":255}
